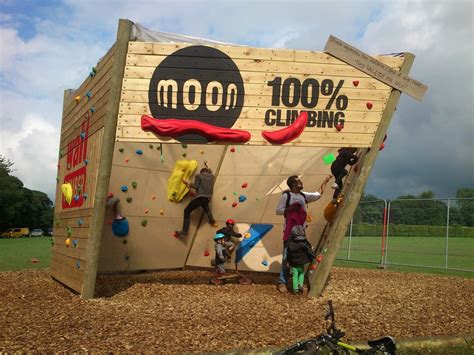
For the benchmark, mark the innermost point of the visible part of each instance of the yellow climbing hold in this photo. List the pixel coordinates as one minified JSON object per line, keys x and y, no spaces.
{"x":162,"y":212}
{"x":68,"y":242}
{"x":183,"y":169}
{"x":77,"y":98}
{"x":67,"y":192}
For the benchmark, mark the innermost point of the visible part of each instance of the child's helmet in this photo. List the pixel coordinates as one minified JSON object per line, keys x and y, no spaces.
{"x":219,"y":236}
{"x":230,"y":221}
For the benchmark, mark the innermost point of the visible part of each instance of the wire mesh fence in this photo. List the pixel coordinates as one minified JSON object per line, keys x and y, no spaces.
{"x":431,"y":233}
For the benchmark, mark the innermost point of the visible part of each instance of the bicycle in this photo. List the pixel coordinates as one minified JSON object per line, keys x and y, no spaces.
{"x":330,"y":342}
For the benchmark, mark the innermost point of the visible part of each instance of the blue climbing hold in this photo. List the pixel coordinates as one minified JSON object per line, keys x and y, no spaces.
{"x":139,"y":151}
{"x":257,"y":232}
{"x":78,"y":264}
{"x":76,"y":198}
{"x":92,"y":109}
{"x":86,"y":161}
{"x":80,"y":221}
{"x":84,"y":196}
{"x":124,"y":188}
{"x":83,"y":135}
{"x":242,"y":198}
{"x":120,"y":227}
{"x":89,"y":95}
{"x":74,"y":242}
{"x":265,"y":263}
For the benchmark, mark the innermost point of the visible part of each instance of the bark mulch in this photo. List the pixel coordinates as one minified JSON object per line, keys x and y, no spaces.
{"x":178,"y":311}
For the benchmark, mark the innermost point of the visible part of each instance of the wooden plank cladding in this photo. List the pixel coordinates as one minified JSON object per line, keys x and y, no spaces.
{"x":286,"y":55}
{"x":251,"y":89}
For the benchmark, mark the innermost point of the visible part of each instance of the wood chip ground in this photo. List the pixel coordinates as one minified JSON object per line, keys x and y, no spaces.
{"x":178,"y":311}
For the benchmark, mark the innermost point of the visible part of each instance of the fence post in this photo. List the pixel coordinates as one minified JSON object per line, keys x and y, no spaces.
{"x":447,"y":234}
{"x":350,"y":241}
{"x":384,"y":234}
{"x":387,"y":233}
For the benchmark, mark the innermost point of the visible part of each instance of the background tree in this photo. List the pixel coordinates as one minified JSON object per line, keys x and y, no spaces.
{"x":19,"y":206}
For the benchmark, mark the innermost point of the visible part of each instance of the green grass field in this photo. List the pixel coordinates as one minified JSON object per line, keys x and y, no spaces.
{"x":16,"y":254}
{"x":428,"y":253}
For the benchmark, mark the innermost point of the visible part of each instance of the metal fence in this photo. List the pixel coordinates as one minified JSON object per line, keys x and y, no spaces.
{"x":431,"y":233}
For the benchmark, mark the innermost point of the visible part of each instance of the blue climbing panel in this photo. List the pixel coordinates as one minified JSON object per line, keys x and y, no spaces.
{"x":257,"y":232}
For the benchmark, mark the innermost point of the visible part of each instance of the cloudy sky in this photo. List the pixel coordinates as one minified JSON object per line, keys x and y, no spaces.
{"x":47,"y":46}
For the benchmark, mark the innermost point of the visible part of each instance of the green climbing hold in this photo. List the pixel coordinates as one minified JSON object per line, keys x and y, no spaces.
{"x":69,"y":231}
{"x":124,"y":241}
{"x":235,"y":193}
{"x":121,"y":150}
{"x":151,"y":146}
{"x":60,"y":153}
{"x":184,"y":155}
{"x":129,"y":199}
{"x":224,"y":198}
{"x":184,"y":146}
{"x":134,"y":184}
{"x":144,"y":223}
{"x":329,"y":159}
{"x":325,"y":250}
{"x":158,"y":147}
{"x":94,"y":70}
{"x":57,"y":179}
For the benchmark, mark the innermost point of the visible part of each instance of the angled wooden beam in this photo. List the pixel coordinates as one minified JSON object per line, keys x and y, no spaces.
{"x":106,"y":155}
{"x":319,"y":277}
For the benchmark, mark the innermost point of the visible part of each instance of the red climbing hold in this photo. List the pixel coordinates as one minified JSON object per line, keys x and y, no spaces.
{"x":244,"y":185}
{"x":110,"y":195}
{"x":232,"y":150}
{"x":355,"y":83}
{"x":313,"y":266}
{"x":382,"y":146}
{"x":206,"y":253}
{"x":289,"y":133}
{"x":234,"y":204}
{"x":369,"y":105}
{"x":339,"y":127}
{"x":319,"y":258}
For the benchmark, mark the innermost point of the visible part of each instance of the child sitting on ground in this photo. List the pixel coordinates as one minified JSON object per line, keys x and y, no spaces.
{"x":221,"y":253}
{"x":300,"y":253}
{"x":229,"y":232}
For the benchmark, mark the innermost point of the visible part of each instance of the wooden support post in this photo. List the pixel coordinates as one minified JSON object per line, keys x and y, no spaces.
{"x":319,"y":277}
{"x":106,"y":155}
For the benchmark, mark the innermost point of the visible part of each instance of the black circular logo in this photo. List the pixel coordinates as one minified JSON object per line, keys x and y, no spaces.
{"x":197,"y":83}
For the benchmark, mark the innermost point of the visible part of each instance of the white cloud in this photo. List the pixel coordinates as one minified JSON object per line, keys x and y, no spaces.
{"x":33,"y":149}
{"x":430,"y":142}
